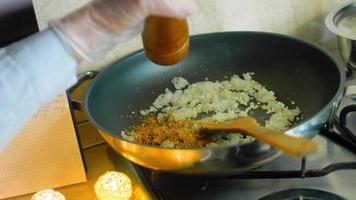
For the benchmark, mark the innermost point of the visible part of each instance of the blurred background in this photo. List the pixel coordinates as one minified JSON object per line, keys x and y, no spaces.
{"x":303,"y":18}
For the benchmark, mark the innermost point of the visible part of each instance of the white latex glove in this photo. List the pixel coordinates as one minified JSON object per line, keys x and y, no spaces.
{"x":95,"y":29}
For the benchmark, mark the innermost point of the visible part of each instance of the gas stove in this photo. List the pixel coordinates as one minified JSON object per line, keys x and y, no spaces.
{"x":330,"y":174}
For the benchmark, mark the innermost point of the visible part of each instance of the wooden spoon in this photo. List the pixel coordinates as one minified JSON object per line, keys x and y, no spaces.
{"x":293,"y":146}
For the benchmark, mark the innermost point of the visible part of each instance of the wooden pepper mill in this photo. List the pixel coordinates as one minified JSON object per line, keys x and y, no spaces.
{"x":165,"y":40}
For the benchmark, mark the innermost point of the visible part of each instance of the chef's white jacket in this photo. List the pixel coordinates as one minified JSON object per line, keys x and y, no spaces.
{"x":32,"y":72}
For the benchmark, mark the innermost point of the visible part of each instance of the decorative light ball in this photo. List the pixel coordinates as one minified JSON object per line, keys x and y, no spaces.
{"x":48,"y":194}
{"x":113,"y":186}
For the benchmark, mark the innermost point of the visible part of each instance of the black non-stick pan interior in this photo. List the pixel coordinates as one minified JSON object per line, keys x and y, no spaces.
{"x":282,"y":64}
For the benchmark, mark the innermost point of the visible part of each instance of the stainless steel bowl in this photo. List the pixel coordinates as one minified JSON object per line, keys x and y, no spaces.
{"x":342,"y":22}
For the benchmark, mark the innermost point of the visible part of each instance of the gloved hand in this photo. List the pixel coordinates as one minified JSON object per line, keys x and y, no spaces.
{"x":95,"y":29}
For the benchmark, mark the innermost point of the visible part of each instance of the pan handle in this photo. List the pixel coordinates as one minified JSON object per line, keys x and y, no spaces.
{"x":82,"y":77}
{"x":345,"y":111}
{"x":342,"y":123}
{"x":337,"y":129}
{"x":350,"y":88}
{"x":350,"y":101}
{"x":350,"y":94}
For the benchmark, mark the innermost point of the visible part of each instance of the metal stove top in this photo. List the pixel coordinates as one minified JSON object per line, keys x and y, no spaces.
{"x":333,"y":170}
{"x":343,"y":182}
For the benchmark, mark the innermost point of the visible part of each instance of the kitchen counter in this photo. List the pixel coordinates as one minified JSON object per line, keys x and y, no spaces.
{"x":100,"y":159}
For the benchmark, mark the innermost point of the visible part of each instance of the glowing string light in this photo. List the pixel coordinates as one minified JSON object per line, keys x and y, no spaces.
{"x":48,"y":194}
{"x":113,"y":186}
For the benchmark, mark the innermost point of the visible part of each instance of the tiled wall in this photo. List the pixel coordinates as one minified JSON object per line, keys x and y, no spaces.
{"x":302,"y":18}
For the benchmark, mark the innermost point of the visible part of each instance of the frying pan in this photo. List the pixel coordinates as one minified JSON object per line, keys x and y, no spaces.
{"x":294,"y":69}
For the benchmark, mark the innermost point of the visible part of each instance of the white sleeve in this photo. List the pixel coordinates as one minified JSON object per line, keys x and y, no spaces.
{"x":32,"y":72}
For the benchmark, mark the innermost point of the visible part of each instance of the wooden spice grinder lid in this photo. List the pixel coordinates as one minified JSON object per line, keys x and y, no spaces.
{"x":165,"y":40}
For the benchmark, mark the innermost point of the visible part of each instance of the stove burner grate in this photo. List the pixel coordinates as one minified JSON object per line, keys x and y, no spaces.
{"x":152,"y":179}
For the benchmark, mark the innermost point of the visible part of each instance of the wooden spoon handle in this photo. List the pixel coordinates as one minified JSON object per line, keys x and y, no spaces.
{"x":291,"y":145}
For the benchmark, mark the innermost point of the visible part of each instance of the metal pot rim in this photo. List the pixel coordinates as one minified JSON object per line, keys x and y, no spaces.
{"x":334,"y":15}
